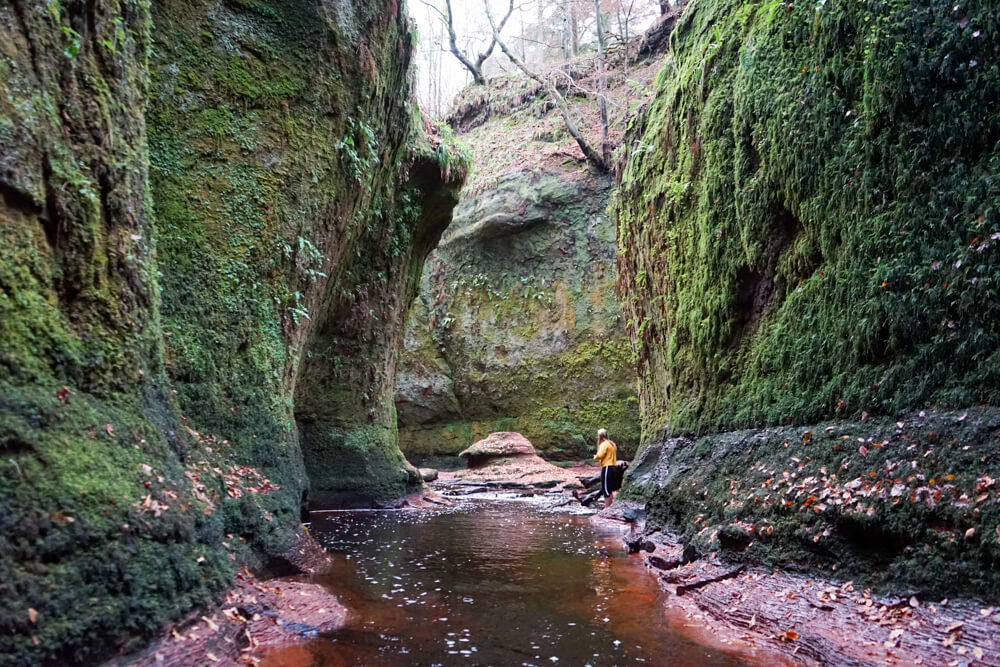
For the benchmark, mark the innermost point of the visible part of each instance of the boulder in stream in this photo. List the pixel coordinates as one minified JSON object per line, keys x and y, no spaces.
{"x":495,"y":446}
{"x":509,"y":459}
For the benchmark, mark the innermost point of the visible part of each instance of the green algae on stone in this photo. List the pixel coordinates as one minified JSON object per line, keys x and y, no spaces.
{"x":807,"y":232}
{"x":83,"y":399}
{"x":304,"y":227}
{"x":887,"y":503}
{"x":516,"y":327}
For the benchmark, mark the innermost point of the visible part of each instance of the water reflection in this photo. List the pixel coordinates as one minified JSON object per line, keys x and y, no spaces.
{"x":489,"y":584}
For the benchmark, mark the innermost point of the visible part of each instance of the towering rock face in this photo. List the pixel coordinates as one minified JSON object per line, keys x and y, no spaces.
{"x":289,"y":242}
{"x":517,"y":327}
{"x":179,"y":236}
{"x":808,"y":230}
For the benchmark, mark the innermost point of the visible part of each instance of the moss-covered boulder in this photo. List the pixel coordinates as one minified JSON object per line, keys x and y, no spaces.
{"x":198,"y":198}
{"x":808,"y":232}
{"x":517,"y":327}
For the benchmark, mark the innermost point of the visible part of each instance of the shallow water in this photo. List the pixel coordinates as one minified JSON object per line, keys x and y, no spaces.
{"x":490,"y":583}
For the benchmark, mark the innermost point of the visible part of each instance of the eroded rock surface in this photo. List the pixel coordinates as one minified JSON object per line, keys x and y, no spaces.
{"x":517,"y":326}
{"x":805,"y":236}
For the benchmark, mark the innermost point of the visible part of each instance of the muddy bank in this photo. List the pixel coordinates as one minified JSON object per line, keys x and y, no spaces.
{"x":809,"y":620}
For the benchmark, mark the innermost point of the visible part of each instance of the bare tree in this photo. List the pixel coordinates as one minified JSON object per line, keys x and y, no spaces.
{"x":476,"y":68}
{"x":592,"y":156}
{"x":602,"y":85}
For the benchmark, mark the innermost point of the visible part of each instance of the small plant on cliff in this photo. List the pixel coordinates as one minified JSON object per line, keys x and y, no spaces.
{"x":358,"y":147}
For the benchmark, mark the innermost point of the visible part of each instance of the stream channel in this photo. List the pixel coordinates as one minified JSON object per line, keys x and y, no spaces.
{"x":490,"y":582}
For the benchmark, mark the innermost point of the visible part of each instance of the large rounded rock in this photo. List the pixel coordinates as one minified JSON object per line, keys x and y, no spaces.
{"x":502,"y":443}
{"x":509,"y":458}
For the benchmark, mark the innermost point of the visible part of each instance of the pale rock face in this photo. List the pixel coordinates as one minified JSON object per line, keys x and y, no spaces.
{"x":517,"y":327}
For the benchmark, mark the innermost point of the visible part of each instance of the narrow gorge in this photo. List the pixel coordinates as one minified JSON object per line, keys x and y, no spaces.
{"x":261,"y":284}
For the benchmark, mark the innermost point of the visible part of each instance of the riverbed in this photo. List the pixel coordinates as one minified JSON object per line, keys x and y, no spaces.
{"x":490,"y":582}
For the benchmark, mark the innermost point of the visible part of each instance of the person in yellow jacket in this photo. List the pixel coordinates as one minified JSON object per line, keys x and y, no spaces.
{"x":607,"y":455}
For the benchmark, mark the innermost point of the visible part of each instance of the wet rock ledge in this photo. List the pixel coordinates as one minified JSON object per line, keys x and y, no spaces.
{"x":507,"y":460}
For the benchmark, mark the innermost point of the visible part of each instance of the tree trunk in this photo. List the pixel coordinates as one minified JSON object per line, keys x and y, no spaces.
{"x":565,"y":29}
{"x":601,"y":85}
{"x":574,"y":29}
{"x":477,"y":75}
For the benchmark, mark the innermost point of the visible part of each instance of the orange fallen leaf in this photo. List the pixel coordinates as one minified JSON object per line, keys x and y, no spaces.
{"x":788,"y":636}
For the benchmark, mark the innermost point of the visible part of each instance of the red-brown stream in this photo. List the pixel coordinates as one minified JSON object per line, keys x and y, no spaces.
{"x":490,"y":583}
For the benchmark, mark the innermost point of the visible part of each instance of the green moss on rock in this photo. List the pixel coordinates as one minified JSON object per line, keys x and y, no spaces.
{"x":517,"y":327}
{"x":908,"y":504}
{"x":183,"y":215}
{"x":807,"y":224}
{"x":807,"y":231}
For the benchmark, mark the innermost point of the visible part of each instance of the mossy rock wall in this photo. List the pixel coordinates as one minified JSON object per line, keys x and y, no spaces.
{"x":808,"y":220}
{"x":517,"y":327}
{"x":808,"y":236}
{"x":281,"y":137}
{"x":184,"y":213}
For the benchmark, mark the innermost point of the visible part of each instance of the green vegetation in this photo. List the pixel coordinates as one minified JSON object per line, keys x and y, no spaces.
{"x":883,"y":503}
{"x":808,"y":226}
{"x":516,"y":327}
{"x":807,"y":231}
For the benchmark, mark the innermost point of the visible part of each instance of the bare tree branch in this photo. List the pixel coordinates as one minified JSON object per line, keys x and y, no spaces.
{"x":593,"y":156}
{"x":475,"y":68}
{"x":486,"y":54}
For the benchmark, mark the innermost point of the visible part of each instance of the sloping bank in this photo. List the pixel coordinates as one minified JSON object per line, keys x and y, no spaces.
{"x":213,"y":217}
{"x":808,"y":262}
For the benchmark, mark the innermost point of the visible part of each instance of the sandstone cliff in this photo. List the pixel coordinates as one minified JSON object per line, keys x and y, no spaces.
{"x":517,"y":327}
